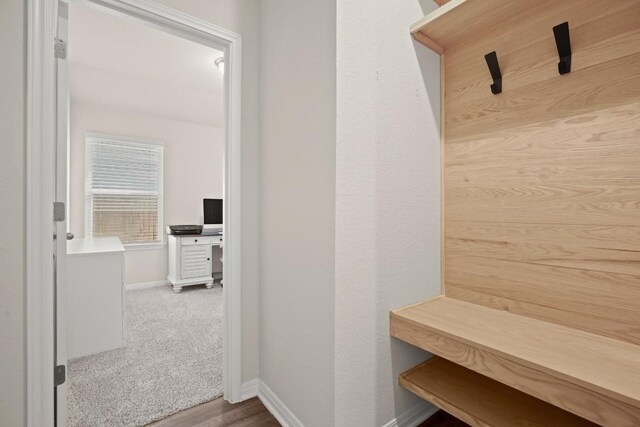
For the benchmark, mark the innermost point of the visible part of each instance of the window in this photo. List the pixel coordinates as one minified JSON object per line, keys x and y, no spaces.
{"x":123,"y":189}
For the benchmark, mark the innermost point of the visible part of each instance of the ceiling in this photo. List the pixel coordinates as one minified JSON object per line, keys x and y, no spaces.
{"x":119,"y":62}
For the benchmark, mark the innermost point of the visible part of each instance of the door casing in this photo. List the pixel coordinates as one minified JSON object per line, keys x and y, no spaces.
{"x":41,"y":167}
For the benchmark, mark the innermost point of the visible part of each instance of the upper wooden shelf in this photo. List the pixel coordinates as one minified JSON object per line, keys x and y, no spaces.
{"x":457,"y":20}
{"x":541,"y":358}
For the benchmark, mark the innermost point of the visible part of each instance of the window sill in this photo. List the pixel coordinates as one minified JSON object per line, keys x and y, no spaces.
{"x":143,"y":246}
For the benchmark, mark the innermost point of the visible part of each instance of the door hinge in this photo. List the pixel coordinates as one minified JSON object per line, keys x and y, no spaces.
{"x":60,"y":49}
{"x":58,"y":212}
{"x":59,"y":375}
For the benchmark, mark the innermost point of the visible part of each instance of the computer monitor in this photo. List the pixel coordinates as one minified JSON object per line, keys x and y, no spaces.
{"x":213,"y":213}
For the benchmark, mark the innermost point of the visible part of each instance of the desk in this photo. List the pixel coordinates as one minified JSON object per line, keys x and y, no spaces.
{"x":190,"y":260}
{"x":95,"y":295}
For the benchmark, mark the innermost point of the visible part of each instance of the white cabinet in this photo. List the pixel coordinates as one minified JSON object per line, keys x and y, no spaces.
{"x":95,"y":295}
{"x":195,"y":261}
{"x":190,"y":260}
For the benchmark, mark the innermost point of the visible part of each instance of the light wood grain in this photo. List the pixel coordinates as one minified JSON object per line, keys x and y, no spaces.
{"x":443,"y":92}
{"x":594,"y":236}
{"x":578,"y":400}
{"x":463,"y":22}
{"x":456,"y":19}
{"x":563,"y":288}
{"x":434,"y":16}
{"x":528,"y":56}
{"x":560,"y":351}
{"x":591,"y":321}
{"x":607,"y":134}
{"x":584,"y":92}
{"x":492,"y":342}
{"x":559,"y":255}
{"x":542,"y":182}
{"x":580,"y":203}
{"x":481,"y":401}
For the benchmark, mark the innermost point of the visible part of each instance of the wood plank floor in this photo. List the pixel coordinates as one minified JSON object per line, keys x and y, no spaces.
{"x":221,"y":413}
{"x":252,"y":412}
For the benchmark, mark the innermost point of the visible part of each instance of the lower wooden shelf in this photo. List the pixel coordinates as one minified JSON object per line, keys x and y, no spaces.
{"x":481,"y":401}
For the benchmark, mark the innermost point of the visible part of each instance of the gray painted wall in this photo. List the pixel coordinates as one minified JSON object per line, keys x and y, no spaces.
{"x":387,"y":202}
{"x":297,"y":187}
{"x":12,"y":210}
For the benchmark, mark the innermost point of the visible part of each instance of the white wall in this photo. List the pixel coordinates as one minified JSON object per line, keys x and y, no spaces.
{"x":387,"y":202}
{"x":12,"y":211}
{"x":297,"y":108}
{"x":193,"y":170}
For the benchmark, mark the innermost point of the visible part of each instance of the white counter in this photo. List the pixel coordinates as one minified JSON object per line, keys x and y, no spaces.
{"x":95,"y":295}
{"x":93,"y":246}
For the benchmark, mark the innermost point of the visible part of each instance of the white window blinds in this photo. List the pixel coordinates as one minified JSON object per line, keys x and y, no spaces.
{"x":123,"y":189}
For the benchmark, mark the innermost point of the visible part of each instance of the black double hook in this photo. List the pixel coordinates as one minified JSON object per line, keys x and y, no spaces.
{"x":563,"y":43}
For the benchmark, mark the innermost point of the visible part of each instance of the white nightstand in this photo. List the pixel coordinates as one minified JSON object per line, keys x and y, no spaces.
{"x":190,"y":260}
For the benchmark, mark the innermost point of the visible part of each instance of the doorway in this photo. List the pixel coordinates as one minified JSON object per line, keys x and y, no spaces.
{"x":45,"y":399}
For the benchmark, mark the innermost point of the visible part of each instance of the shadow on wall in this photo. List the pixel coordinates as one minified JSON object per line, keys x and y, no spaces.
{"x":429,"y":69}
{"x":427,"y":6}
{"x":401,"y":352}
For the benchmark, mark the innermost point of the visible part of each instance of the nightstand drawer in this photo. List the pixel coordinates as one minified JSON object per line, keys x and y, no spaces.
{"x":204,"y":240}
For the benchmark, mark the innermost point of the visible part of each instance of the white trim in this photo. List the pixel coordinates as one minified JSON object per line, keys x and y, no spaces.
{"x":121,"y":138}
{"x":41,"y":116}
{"x":414,"y":416}
{"x":277,"y":408}
{"x":145,"y":285}
{"x":41,"y":149}
{"x":250,"y":389}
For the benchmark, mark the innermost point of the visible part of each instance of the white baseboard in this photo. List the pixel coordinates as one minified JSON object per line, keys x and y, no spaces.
{"x":278,"y":409}
{"x":250,"y":389}
{"x":414,"y":416}
{"x":145,"y":285}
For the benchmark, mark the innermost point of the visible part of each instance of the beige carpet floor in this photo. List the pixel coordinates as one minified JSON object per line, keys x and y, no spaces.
{"x":172,"y":360}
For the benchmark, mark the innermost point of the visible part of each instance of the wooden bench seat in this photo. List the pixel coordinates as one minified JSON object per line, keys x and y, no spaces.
{"x":590,"y":375}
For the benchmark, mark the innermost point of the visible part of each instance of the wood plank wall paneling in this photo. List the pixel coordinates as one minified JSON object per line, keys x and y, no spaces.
{"x":542,"y":182}
{"x":525,"y":54}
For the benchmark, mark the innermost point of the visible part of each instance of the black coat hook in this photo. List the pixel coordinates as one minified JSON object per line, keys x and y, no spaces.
{"x":563,"y":43}
{"x":494,"y":69}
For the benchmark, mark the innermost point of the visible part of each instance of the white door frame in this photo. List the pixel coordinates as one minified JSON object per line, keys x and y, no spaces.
{"x":41,"y":143}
